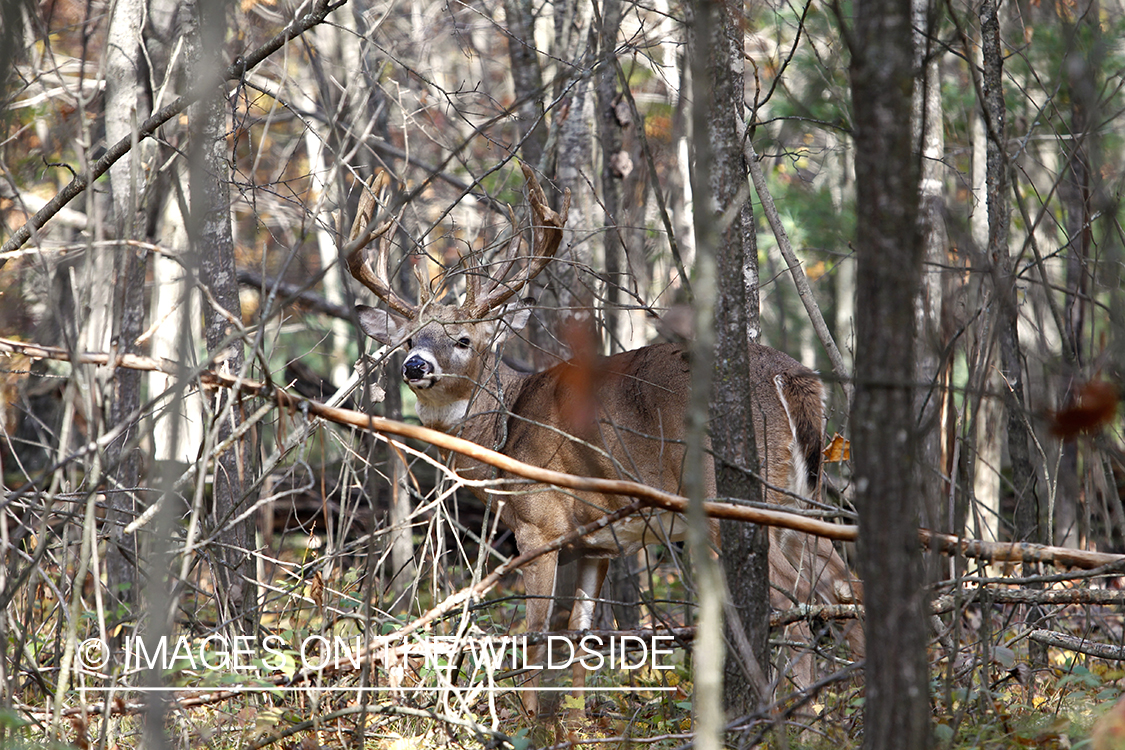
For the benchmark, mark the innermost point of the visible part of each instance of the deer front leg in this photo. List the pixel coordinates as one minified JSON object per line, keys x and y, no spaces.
{"x":591,"y":576}
{"x":539,"y":586}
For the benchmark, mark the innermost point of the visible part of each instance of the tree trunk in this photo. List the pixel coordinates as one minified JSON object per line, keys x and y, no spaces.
{"x":1011,"y":359}
{"x":622,"y":585}
{"x":720,"y":361}
{"x":988,"y":437}
{"x":527,"y":80}
{"x":609,"y":139}
{"x":719,"y":161}
{"x":930,"y":401}
{"x":1075,"y":194}
{"x":885,"y":440}
{"x":575,"y":41}
{"x":213,"y":243}
{"x":125,"y":105}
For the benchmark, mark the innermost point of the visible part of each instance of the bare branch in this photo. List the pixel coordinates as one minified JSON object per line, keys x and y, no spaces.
{"x":233,"y":72}
{"x":1074,"y":643}
{"x":797,"y":271}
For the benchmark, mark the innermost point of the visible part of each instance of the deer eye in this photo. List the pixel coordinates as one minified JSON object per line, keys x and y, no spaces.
{"x":410,"y":344}
{"x":464,"y":342}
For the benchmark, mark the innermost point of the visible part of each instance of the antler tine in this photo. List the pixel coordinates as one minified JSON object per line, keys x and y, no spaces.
{"x":547,"y":232}
{"x":473,"y":271}
{"x":511,"y":255}
{"x":425,"y":294}
{"x":361,"y":235}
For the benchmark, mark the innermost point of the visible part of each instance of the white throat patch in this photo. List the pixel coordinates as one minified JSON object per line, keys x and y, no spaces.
{"x":443,"y":417}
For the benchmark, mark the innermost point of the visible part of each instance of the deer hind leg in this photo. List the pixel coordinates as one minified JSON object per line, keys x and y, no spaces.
{"x":591,"y":576}
{"x":787,"y":588}
{"x":841,"y":587}
{"x":816,"y":574}
{"x":539,"y":586}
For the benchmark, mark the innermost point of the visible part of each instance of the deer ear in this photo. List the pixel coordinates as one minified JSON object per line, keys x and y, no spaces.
{"x":511,"y":319}
{"x":516,"y":314}
{"x":380,"y":325}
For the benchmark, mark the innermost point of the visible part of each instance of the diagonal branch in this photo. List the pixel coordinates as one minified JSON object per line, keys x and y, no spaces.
{"x":647,"y":496}
{"x":234,"y":71}
{"x":798,"y":272}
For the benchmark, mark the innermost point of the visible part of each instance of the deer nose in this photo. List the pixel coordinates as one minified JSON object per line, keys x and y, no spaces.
{"x":416,"y":368}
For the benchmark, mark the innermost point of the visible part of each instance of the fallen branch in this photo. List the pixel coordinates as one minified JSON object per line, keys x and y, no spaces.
{"x":1080,"y":645}
{"x":1020,"y":552}
{"x":645,"y":495}
{"x":948,"y":602}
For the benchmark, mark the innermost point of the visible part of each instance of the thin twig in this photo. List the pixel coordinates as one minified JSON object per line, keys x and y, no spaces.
{"x":796,"y":269}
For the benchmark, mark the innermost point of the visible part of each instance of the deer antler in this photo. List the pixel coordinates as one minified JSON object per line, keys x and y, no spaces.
{"x":377,"y":279}
{"x":476,"y":275}
{"x":547,"y":231}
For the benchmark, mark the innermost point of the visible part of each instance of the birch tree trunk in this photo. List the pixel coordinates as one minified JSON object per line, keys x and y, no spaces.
{"x":576,"y":42}
{"x":988,"y":438}
{"x":126,"y":104}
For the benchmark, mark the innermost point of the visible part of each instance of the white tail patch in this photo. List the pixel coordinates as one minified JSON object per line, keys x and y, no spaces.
{"x":798,"y":466}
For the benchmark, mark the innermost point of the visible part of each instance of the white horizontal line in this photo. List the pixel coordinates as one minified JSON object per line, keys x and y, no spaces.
{"x":197,"y":692}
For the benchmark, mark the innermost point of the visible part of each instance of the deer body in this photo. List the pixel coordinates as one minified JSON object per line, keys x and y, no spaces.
{"x":614,"y":417}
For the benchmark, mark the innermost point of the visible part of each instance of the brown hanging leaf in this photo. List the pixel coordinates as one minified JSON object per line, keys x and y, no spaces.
{"x":839,"y":449}
{"x":581,"y":376}
{"x":81,"y":741}
{"x":316,"y":590}
{"x":1093,"y":406}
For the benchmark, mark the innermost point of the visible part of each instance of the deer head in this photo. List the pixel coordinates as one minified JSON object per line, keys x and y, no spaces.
{"x":449,"y":347}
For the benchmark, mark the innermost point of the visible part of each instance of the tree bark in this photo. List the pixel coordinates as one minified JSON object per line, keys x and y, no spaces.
{"x":885,"y":440}
{"x":527,"y":80}
{"x":610,"y":140}
{"x":930,"y":401}
{"x":125,"y":106}
{"x":721,"y":363}
{"x":1075,"y":192}
{"x":622,"y":583}
{"x":213,"y":243}
{"x":576,"y":42}
{"x":998,"y":181}
{"x":719,"y":161}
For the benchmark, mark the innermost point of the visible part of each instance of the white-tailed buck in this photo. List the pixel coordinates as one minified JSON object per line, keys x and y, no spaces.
{"x":623,"y":419}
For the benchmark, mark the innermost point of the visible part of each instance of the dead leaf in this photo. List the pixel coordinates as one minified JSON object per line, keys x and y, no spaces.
{"x":839,"y":449}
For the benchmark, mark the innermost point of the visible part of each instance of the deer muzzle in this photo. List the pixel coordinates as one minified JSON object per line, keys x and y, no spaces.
{"x":417,"y":369}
